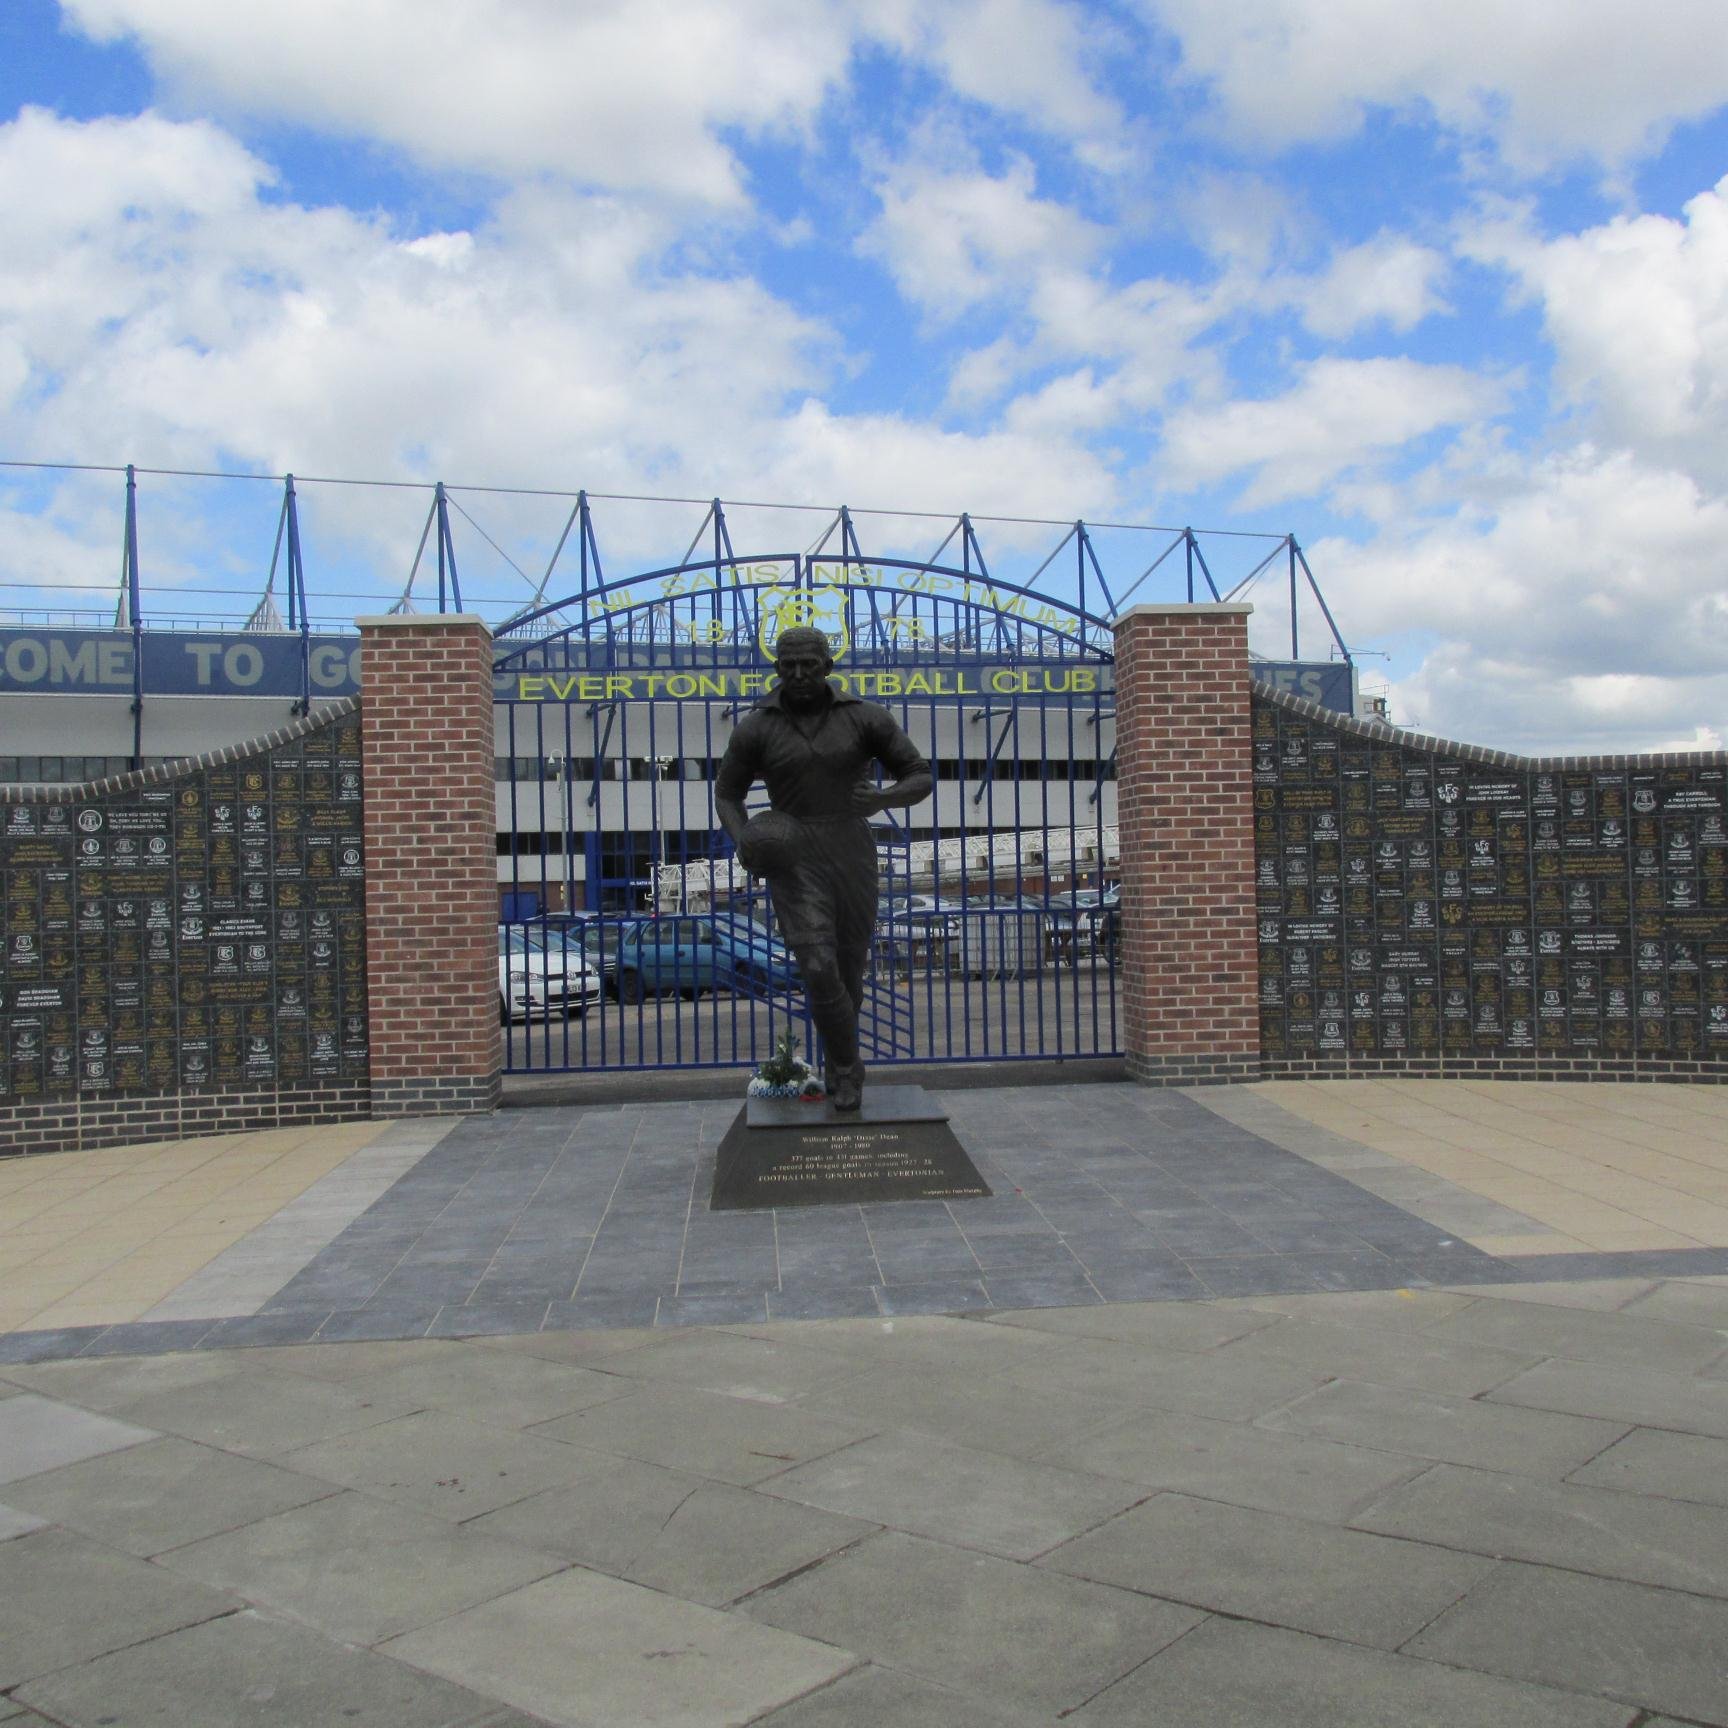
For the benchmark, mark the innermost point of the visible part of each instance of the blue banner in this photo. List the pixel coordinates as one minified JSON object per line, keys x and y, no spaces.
{"x":247,"y":663}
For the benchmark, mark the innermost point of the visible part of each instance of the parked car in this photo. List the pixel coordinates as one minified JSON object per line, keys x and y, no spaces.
{"x":542,"y":971}
{"x":690,"y":953}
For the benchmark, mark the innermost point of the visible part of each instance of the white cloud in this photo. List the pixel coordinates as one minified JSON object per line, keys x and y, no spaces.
{"x":629,"y":95}
{"x":1545,"y":81}
{"x":1389,"y":280}
{"x":1586,"y":607}
{"x":189,"y":321}
{"x":1637,"y":311}
{"x":1339,"y":414}
{"x":954,"y":237}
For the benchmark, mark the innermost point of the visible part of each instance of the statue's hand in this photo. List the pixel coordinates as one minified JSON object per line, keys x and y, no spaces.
{"x":867,"y":800}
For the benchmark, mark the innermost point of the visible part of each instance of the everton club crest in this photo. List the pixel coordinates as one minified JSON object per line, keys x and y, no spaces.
{"x":821,"y":609}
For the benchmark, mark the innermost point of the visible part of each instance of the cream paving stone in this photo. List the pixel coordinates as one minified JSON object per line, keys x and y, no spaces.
{"x":162,"y":1494}
{"x":249,"y":1669}
{"x":737,"y":1440}
{"x":1010,"y":1634}
{"x":67,"y":1599}
{"x":444,"y":1463}
{"x":1233,"y":1674}
{"x":38,"y":1433}
{"x":358,"y":1569}
{"x":1260,"y":1566}
{"x":927,"y":1487}
{"x":586,"y":1651}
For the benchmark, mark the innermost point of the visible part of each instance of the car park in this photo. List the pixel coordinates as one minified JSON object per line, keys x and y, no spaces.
{"x":542,"y":971}
{"x":687,"y":954}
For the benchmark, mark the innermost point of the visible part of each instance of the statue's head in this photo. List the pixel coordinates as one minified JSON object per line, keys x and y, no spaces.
{"x":803,"y":660}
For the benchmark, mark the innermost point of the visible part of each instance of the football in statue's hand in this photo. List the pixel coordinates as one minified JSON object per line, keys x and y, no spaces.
{"x":770,"y":844}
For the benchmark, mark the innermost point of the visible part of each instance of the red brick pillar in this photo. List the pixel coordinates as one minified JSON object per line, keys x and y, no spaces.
{"x":1185,"y":817}
{"x":431,"y":870}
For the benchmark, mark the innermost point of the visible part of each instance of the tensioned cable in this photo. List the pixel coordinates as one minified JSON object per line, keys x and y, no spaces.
{"x":621,"y":497}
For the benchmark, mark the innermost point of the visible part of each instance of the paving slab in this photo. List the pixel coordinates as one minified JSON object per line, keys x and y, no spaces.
{"x":982,"y":1625}
{"x":13,"y":1523}
{"x":737,"y":1440}
{"x":1165,"y":1325}
{"x":1585,"y":1336}
{"x":1210,"y":1383}
{"x":1641,"y":1397}
{"x":704,"y":1541}
{"x":162,"y":1494}
{"x":1650,"y":1541}
{"x":444,"y":1463}
{"x":107,"y":1383}
{"x":1234,"y":1674}
{"x":1652,"y":1461}
{"x":974,"y":1499}
{"x":970,"y":1409}
{"x":68,"y":1599}
{"x":1691,"y":1304}
{"x":873,"y":1697}
{"x":1659,"y":1649}
{"x":586,"y":1651}
{"x":38,"y":1434}
{"x":767,"y":1370}
{"x":251,"y":1670}
{"x":1452,"y":1430}
{"x":359,"y":1569}
{"x":499,"y":1389}
{"x":1400,"y":1310}
{"x":1392,"y":1358}
{"x":1238,"y":1464}
{"x":934,"y":1341}
{"x":1260,"y":1566}
{"x":260,"y":1413}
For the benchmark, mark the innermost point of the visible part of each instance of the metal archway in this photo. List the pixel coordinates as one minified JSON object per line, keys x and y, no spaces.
{"x":997,"y":940}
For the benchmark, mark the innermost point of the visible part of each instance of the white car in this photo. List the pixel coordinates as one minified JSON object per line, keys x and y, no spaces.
{"x":542,"y":972}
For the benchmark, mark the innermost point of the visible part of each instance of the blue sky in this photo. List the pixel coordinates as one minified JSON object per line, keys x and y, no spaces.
{"x":1446,"y":296}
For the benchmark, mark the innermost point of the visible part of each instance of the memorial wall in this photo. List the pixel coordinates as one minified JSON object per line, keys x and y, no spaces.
{"x":1429,"y":907}
{"x":184,"y":948}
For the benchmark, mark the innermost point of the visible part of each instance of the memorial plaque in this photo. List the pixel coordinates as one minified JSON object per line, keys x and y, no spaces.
{"x":898,"y":1146}
{"x":1410,"y":903}
{"x":157,"y":936}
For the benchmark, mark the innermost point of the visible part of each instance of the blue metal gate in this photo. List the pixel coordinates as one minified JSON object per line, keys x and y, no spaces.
{"x":629,"y":939}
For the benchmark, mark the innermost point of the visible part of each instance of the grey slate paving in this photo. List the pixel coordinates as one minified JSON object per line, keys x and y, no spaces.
{"x":1233,"y":1674}
{"x":1664,"y":1649}
{"x":1260,"y":1566}
{"x":993,"y":1630}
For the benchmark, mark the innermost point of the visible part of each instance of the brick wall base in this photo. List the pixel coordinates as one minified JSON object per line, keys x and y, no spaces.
{"x":1192,"y":1070}
{"x":1500,"y":1067}
{"x":91,"y":1122}
{"x":463,"y":1095}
